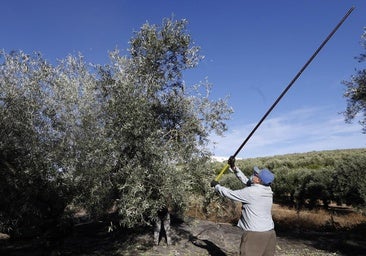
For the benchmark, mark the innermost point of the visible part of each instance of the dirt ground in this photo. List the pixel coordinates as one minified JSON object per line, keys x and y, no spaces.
{"x":190,"y":237}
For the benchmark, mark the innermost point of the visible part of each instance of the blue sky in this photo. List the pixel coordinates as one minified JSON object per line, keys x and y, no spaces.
{"x":252,"y":51}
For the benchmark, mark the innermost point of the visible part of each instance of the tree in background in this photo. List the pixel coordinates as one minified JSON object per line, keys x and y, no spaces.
{"x":356,"y":92}
{"x":349,"y":185}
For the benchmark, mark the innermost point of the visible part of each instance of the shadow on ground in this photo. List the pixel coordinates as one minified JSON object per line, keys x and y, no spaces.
{"x":350,"y":242}
{"x":190,"y":237}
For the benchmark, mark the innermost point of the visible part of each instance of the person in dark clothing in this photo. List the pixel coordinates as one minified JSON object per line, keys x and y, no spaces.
{"x":162,"y":227}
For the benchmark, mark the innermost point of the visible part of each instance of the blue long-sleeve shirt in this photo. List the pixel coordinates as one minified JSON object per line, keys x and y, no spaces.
{"x":256,"y":202}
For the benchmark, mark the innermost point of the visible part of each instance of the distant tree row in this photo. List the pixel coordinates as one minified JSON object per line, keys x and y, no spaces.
{"x":314,"y":178}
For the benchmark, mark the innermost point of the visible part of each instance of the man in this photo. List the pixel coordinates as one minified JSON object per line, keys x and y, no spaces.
{"x":259,"y":237}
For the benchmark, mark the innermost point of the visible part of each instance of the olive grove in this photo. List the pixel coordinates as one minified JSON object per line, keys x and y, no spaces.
{"x":129,"y":135}
{"x":313,"y":179}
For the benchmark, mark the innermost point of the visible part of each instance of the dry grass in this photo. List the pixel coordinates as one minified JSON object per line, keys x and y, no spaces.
{"x":216,"y":211}
{"x":317,"y":219}
{"x":284,"y":217}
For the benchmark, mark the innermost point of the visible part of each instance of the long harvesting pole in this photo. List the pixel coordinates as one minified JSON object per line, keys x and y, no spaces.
{"x":286,"y":89}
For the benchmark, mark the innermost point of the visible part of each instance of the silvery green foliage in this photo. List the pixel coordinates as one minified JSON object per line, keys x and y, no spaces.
{"x":32,"y":190}
{"x":81,"y":149}
{"x":356,"y":92}
{"x":160,"y":125}
{"x":52,"y":138}
{"x":130,"y":134}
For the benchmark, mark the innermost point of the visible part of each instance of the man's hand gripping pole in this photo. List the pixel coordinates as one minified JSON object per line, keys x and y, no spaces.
{"x":286,"y":89}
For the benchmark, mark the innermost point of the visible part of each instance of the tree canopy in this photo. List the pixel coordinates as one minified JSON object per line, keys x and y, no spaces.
{"x":356,"y":91}
{"x":129,"y":135}
{"x":159,"y":126}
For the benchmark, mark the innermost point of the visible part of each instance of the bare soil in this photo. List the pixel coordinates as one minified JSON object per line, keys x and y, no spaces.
{"x":195,"y":237}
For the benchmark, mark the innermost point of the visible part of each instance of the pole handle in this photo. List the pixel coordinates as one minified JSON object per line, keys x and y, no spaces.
{"x":223,"y":170}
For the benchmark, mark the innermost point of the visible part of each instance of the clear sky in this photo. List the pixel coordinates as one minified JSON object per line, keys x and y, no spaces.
{"x":252,"y":51}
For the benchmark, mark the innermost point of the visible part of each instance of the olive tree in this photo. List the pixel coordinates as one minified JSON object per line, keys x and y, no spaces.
{"x":349,"y":184}
{"x":356,"y":92}
{"x":51,"y":131}
{"x":158,"y":125}
{"x":129,"y":135}
{"x":80,"y":144}
{"x":33,"y":193}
